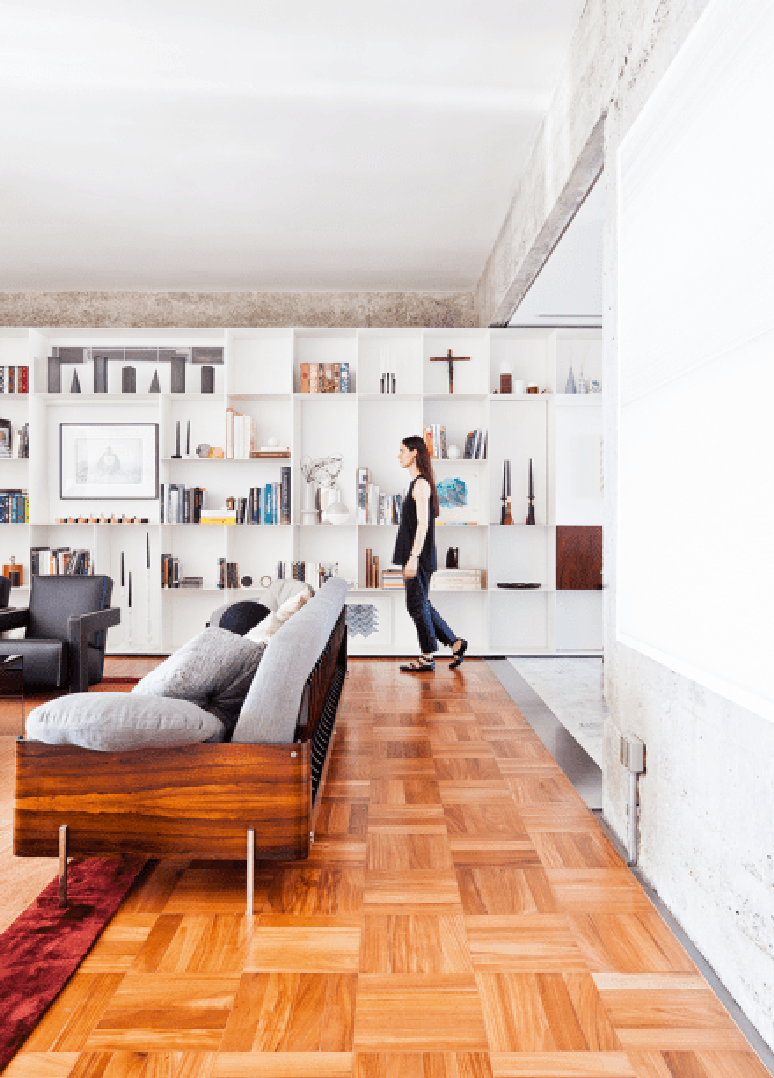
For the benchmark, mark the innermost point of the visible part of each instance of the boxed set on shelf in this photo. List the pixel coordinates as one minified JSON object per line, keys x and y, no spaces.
{"x":457,"y":580}
{"x":324,"y":378}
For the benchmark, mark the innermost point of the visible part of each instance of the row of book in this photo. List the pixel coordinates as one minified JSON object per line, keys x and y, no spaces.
{"x":476,"y":443}
{"x":14,"y":507}
{"x":60,"y":561}
{"x":170,"y":571}
{"x":324,"y":378}
{"x":228,"y":574}
{"x":14,"y":379}
{"x":314,"y":572}
{"x":179,"y":504}
{"x":372,"y":569}
{"x":374,"y":507}
{"x":241,"y":435}
{"x":14,"y":443}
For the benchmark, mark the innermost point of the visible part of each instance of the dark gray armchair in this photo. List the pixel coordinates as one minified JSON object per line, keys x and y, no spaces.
{"x":66,"y":622}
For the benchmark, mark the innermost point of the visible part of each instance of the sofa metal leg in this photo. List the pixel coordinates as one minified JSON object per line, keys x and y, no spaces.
{"x":250,"y":872}
{"x":63,"y":866}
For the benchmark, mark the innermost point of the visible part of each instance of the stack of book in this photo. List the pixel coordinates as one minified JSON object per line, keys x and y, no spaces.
{"x":373,"y":507}
{"x":170,"y":571}
{"x":14,"y":380}
{"x":14,"y":507}
{"x":60,"y":561}
{"x":228,"y":574}
{"x":192,"y":582}
{"x":457,"y":580}
{"x":476,"y":445}
{"x":180,"y":504}
{"x":324,"y":378}
{"x":392,"y":579}
{"x":22,"y":442}
{"x":241,"y":436}
{"x":435,"y":440}
{"x":372,"y":569}
{"x":217,"y":516}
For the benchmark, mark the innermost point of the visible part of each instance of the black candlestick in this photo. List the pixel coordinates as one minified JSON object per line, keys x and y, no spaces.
{"x":531,"y":497}
{"x":188,"y":440}
{"x":176,"y":454}
{"x":122,"y":568}
{"x":130,"y":589}
{"x":147,"y":552}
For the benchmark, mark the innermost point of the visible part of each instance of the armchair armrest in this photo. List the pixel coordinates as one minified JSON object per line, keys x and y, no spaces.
{"x":14,"y":618}
{"x":79,"y":629}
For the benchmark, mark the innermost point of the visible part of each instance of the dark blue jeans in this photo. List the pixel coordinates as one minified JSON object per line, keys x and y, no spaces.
{"x":430,"y":625}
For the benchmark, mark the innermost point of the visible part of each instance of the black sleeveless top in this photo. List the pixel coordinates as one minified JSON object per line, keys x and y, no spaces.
{"x":408,"y":530}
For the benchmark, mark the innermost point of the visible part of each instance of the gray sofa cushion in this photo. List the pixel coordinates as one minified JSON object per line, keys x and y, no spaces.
{"x":214,"y":671}
{"x":120,"y":721}
{"x":270,"y":710}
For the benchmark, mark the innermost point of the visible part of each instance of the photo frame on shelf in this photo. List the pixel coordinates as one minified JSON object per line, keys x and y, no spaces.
{"x":458,"y":497}
{"x":108,"y":460}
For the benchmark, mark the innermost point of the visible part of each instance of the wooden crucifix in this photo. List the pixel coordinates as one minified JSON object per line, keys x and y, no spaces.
{"x":451,"y":360}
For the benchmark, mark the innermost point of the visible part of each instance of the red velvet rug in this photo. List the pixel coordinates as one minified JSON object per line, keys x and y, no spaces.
{"x":43,"y":947}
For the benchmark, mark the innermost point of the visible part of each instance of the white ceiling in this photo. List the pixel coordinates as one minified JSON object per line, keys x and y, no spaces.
{"x":258,"y":144}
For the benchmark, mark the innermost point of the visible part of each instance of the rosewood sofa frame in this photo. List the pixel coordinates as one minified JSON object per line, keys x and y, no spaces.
{"x":196,"y":801}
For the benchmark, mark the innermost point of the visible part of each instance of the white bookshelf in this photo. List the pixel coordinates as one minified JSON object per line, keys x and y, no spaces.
{"x":260,"y":376}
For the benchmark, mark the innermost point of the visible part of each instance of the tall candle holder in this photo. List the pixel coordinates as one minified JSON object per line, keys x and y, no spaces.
{"x":531,"y":497}
{"x":505,"y":511}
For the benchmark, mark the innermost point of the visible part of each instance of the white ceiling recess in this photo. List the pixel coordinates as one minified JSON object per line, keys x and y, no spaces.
{"x":258,"y":144}
{"x":568,"y":289}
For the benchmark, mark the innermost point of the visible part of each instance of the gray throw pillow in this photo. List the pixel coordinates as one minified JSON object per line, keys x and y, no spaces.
{"x":121,"y":721}
{"x":214,"y":671}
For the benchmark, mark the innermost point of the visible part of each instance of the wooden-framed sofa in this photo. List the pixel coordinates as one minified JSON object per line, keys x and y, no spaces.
{"x":200,"y":800}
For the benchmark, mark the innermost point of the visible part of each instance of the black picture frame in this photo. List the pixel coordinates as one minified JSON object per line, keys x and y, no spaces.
{"x":90,"y":461}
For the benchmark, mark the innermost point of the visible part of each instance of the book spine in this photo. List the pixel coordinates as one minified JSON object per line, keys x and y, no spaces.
{"x":304,"y":378}
{"x":345,"y":377}
{"x":285,"y":497}
{"x":25,"y":374}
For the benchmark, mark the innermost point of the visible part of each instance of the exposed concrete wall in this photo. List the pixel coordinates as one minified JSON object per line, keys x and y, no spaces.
{"x":707,"y":800}
{"x":224,"y":309}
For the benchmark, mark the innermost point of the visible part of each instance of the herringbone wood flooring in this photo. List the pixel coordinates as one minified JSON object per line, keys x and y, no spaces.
{"x":462,"y":916}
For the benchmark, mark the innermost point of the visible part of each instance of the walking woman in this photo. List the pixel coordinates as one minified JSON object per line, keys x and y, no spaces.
{"x":415,"y":551}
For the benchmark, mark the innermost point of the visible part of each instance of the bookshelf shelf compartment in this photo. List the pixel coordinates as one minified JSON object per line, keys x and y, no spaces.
{"x":260,"y":378}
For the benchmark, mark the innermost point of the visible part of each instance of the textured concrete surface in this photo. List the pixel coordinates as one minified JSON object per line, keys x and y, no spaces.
{"x":610,"y":59}
{"x":234,"y":309}
{"x":707,"y":800}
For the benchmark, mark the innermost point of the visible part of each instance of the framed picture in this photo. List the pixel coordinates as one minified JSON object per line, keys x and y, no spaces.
{"x":108,"y":460}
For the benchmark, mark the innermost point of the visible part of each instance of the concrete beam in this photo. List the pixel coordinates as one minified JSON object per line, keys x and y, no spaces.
{"x":153,"y":310}
{"x":583,"y":177}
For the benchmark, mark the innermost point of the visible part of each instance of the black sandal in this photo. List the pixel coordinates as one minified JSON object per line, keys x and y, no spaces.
{"x":459,"y":655}
{"x":417,"y":666}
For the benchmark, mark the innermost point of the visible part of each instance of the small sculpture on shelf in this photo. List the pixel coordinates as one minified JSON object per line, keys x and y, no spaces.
{"x":321,"y":472}
{"x":569,"y":386}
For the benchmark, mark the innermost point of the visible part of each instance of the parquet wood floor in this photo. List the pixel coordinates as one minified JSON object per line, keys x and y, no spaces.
{"x":462,"y":915}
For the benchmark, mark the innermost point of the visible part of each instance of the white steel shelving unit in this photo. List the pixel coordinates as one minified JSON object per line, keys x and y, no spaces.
{"x":260,"y":376}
